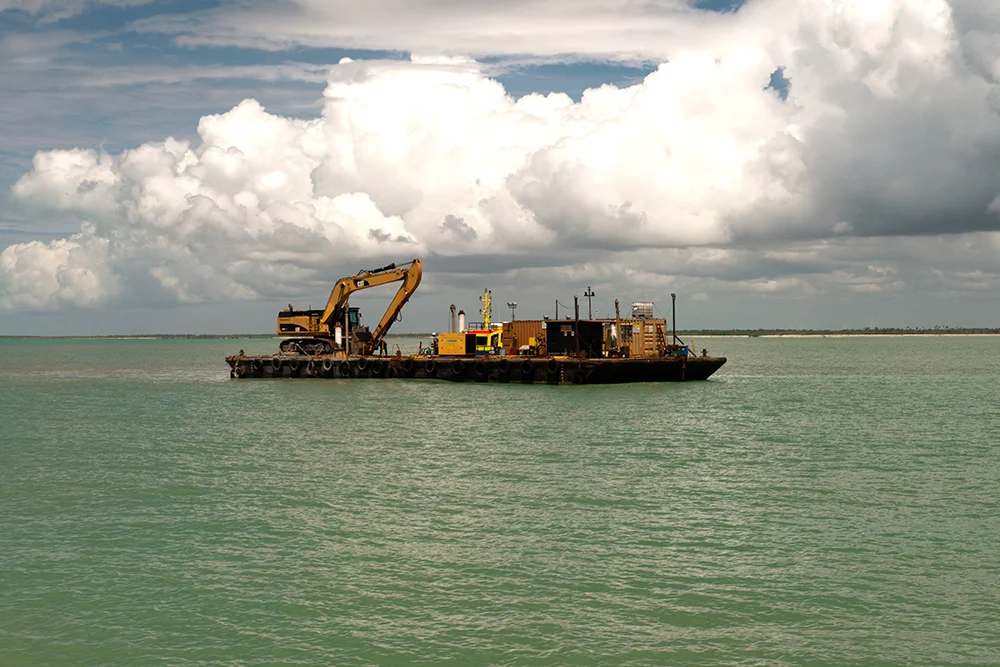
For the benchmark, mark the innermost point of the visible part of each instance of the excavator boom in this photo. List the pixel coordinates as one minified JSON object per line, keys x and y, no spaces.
{"x":411,"y":280}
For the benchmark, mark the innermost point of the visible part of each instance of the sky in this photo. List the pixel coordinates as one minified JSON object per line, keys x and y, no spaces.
{"x":193,"y":166}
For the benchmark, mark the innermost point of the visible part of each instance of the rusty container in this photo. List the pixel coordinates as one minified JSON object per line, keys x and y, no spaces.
{"x":520,"y":332}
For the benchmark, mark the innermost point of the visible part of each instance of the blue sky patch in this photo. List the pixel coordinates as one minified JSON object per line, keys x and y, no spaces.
{"x":779,"y":83}
{"x":719,"y":5}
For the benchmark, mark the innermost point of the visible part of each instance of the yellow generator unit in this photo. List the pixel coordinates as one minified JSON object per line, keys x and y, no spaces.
{"x":456,"y":344}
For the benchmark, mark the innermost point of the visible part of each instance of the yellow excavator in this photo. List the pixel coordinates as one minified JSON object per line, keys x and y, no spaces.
{"x":337,"y":328}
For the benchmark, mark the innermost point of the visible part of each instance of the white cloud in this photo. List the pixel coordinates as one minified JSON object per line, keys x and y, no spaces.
{"x":71,"y":180}
{"x":55,"y":10}
{"x":887,"y":130}
{"x":624,"y":31}
{"x":45,"y":276}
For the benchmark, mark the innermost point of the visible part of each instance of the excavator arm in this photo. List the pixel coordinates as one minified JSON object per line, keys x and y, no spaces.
{"x":411,"y":279}
{"x":409,"y":273}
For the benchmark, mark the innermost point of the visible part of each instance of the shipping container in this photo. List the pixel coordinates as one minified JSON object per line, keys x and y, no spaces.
{"x":518,"y":333}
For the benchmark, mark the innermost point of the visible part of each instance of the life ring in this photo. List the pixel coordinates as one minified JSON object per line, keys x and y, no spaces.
{"x":553,"y":366}
{"x":527,"y":366}
{"x":345,"y":369}
{"x":258,"y":364}
{"x":430,"y":367}
{"x":406,"y":365}
{"x":327,"y":365}
{"x":393,"y":372}
{"x":362,"y":363}
{"x":503,"y":366}
{"x":480,"y":368}
{"x":377,"y":367}
{"x":458,"y":367}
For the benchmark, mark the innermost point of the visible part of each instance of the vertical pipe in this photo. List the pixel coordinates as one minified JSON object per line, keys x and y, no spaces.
{"x":452,"y":330}
{"x":673,"y":311}
{"x":347,"y":331}
{"x":557,"y":309}
{"x":618,"y":326}
{"x":576,"y":309}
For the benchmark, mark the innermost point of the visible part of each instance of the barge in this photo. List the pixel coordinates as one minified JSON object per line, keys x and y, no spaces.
{"x":332,"y":343}
{"x":516,"y":370}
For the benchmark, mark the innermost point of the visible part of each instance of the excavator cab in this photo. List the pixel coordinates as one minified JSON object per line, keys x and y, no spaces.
{"x":353,"y":318}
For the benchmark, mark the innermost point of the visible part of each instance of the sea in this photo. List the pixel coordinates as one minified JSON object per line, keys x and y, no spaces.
{"x":819,"y":501}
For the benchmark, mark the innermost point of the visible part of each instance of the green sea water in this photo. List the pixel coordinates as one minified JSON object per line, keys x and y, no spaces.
{"x":818,"y":502}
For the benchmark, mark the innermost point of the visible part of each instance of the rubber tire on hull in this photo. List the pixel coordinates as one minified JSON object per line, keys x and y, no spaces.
{"x":430,"y":368}
{"x":345,"y":369}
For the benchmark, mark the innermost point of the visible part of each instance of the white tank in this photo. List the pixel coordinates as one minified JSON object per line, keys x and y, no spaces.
{"x":461,"y":320}
{"x":338,"y":335}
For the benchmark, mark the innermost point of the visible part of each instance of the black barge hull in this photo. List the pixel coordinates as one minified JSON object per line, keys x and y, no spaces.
{"x":517,"y":370}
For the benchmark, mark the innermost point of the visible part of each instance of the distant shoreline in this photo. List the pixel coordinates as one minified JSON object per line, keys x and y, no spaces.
{"x":713,"y":333}
{"x":844,"y":335}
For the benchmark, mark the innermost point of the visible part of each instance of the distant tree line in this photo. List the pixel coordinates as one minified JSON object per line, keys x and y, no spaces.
{"x":884,"y":331}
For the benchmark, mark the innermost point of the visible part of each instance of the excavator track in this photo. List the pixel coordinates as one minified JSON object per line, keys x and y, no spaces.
{"x":306,"y":346}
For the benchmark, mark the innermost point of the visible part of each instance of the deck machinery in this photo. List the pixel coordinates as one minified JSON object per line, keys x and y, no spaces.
{"x":332,"y":343}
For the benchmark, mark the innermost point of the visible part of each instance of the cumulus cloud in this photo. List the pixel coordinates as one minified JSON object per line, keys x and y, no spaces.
{"x":44,"y":276}
{"x":889,"y":129}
